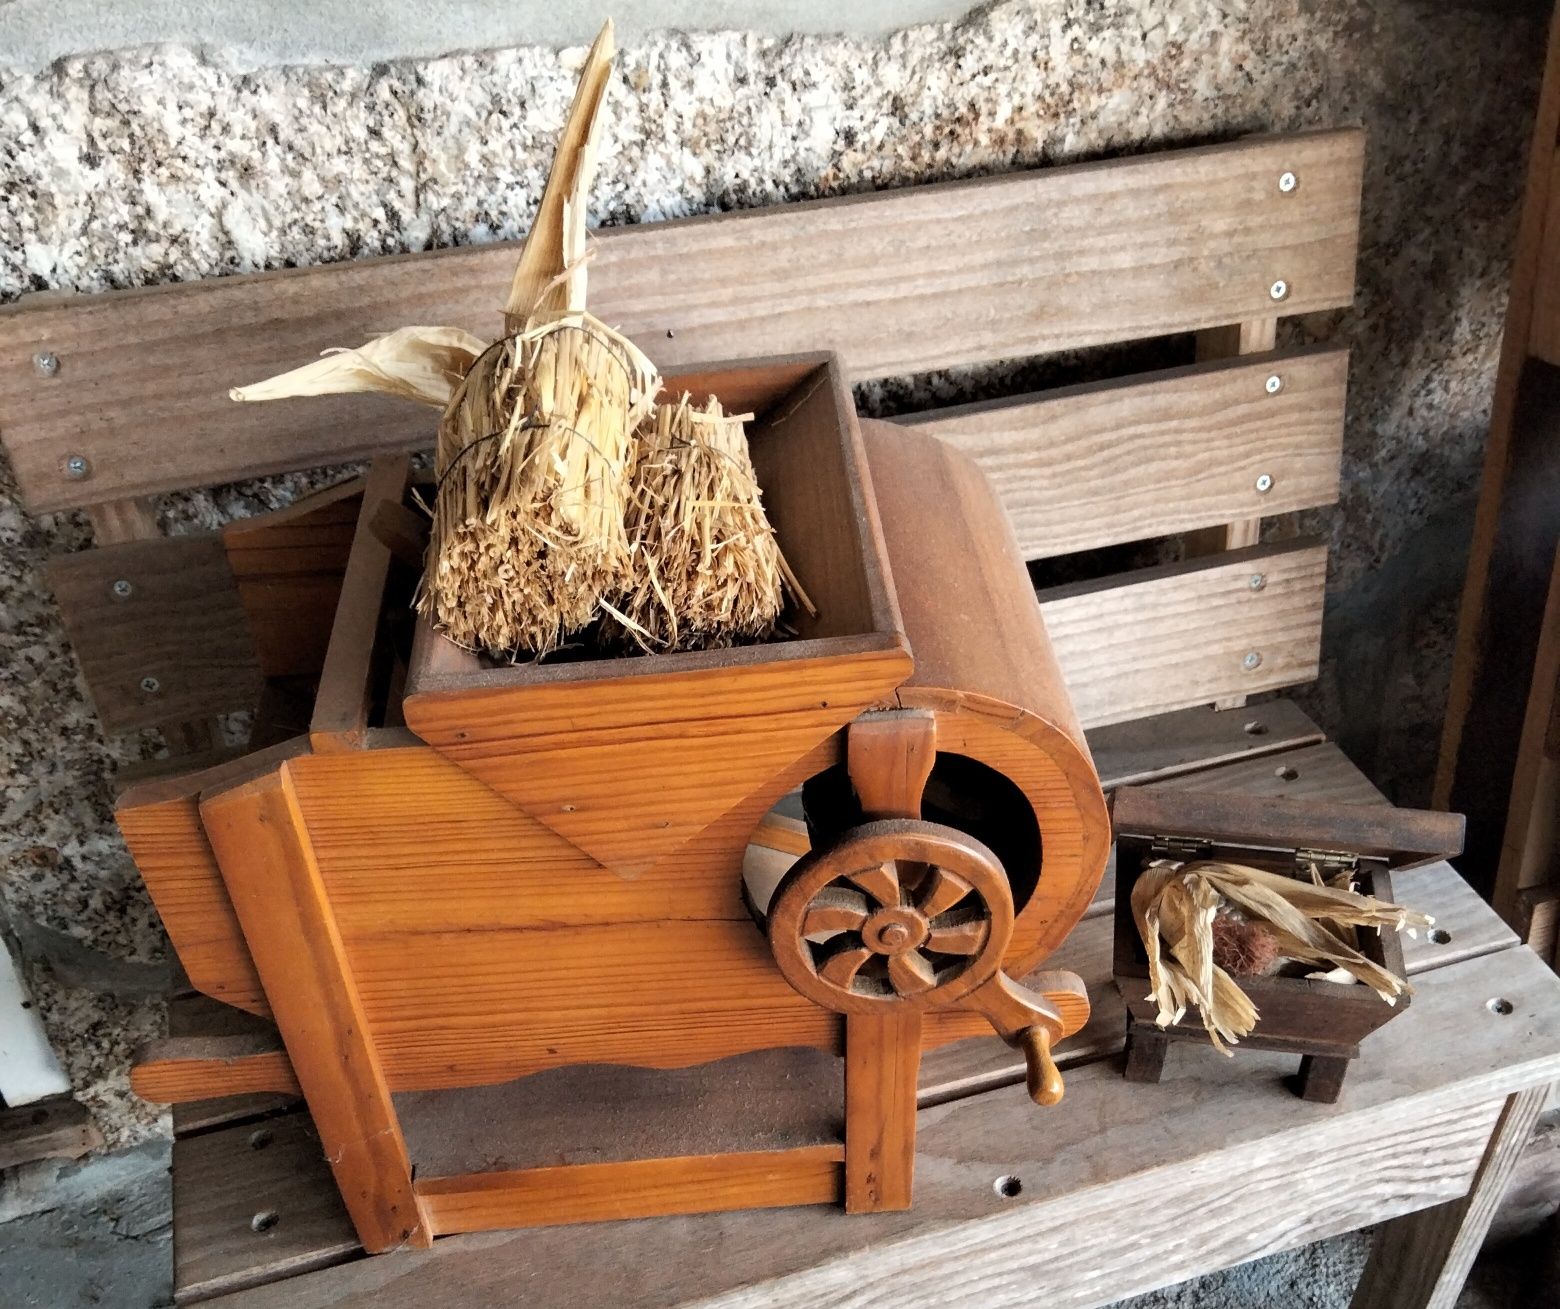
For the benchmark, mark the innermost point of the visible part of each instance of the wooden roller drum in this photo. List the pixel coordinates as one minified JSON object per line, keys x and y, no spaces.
{"x":973,"y":832}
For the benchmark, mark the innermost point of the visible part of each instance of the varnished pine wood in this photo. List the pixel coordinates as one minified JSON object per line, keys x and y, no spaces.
{"x":178,"y":1069}
{"x":262,"y":846}
{"x":882,"y":1059}
{"x":1130,"y":248}
{"x":645,"y":1188}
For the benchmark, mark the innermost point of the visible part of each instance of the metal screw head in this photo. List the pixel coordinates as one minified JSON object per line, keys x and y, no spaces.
{"x":1252,"y":661}
{"x":1274,"y":384}
{"x":122,"y":589}
{"x":151,"y":685}
{"x":1264,"y":483}
{"x":46,"y":363}
{"x":77,"y":467}
{"x":1287,"y":182}
{"x":1279,"y":290}
{"x":1258,"y":581}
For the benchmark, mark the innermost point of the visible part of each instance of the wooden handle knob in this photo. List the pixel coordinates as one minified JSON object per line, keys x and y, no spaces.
{"x":1045,"y":1080}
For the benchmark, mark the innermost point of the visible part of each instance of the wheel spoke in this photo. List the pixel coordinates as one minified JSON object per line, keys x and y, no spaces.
{"x":940,"y":891}
{"x":911,"y":973}
{"x":842,"y":965}
{"x":881,"y":883}
{"x":959,"y":938}
{"x":835,"y":909}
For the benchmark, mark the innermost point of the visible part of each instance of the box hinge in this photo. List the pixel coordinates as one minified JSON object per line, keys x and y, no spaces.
{"x":1329,"y":863}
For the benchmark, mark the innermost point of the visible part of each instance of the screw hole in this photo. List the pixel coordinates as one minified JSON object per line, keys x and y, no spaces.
{"x":1285,"y":773}
{"x":670,"y":334}
{"x":1256,"y":728}
{"x":1008,"y":1187}
{"x":260,"y":1138}
{"x":566,"y":808}
{"x":265,"y":1220}
{"x":1440,"y":935}
{"x":1501,"y":1006}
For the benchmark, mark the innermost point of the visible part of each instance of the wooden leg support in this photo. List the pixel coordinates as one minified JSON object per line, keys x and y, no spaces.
{"x":1421,"y":1260}
{"x":1321,"y":1077}
{"x":882,"y":1065}
{"x":1146,"y":1051}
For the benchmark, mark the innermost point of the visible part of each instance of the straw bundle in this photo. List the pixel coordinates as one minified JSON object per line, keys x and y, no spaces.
{"x":1175,"y":907}
{"x":534,"y":459}
{"x":706,"y":570}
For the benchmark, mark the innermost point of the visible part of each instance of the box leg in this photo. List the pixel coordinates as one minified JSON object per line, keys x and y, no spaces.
{"x":882,"y":1063}
{"x":1321,"y":1077}
{"x":1146,"y":1052}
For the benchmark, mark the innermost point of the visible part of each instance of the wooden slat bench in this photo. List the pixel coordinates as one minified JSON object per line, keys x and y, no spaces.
{"x":107,"y":402}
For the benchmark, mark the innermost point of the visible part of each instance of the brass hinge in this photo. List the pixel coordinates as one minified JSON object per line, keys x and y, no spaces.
{"x":1327,"y":862}
{"x":1182,"y":848}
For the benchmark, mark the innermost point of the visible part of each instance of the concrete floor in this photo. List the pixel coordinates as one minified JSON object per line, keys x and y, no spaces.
{"x":98,"y":1233}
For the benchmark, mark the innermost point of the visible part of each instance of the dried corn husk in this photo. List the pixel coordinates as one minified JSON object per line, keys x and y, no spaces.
{"x":534,"y":461}
{"x":424,"y":364}
{"x":1174,"y":906}
{"x":706,"y":571}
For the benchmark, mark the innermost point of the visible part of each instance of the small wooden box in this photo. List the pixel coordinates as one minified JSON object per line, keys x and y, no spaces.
{"x":1323,"y":1022}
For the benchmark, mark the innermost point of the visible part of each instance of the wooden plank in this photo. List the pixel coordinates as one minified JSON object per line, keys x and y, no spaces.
{"x":252,"y":1203}
{"x":259,"y":839}
{"x":346,"y":684}
{"x":1123,"y":1167}
{"x":1421,"y":1260}
{"x":1093,"y":465}
{"x":56,"y":1128}
{"x":641,"y":1188}
{"x":1167,"y":638}
{"x":1189,"y":740}
{"x":179,"y":1069}
{"x":172,"y":647}
{"x":288,"y":566}
{"x":1314,"y":772}
{"x":1047,"y":260}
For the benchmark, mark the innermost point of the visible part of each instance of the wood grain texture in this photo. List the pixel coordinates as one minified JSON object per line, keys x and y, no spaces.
{"x":1313,"y":772}
{"x":288,"y":566}
{"x":1421,"y":1260}
{"x":1171,"y":637}
{"x":179,"y":1069}
{"x":1047,"y":260}
{"x":1121,"y":1167}
{"x":270,"y":1176}
{"x":1088,"y":466}
{"x":642,"y":1188}
{"x":180,"y":626}
{"x":341,"y":708}
{"x":56,"y":1128}
{"x":262,"y":848}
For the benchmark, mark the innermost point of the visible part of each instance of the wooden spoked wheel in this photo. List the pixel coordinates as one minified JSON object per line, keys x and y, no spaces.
{"x":894,"y":913}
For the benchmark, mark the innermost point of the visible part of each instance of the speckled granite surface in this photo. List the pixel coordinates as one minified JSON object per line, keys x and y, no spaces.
{"x":123,"y":170}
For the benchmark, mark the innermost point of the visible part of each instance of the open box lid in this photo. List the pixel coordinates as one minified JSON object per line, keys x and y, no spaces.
{"x":1404,"y":838}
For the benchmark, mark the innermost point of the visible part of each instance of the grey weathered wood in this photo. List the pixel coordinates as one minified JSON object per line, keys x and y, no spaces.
{"x":228,"y":1181}
{"x":56,"y":1128}
{"x":1315,"y":772}
{"x":1087,"y":466}
{"x":1190,"y":740}
{"x":1115,"y":1167}
{"x":1421,"y":1260}
{"x":898,"y":282}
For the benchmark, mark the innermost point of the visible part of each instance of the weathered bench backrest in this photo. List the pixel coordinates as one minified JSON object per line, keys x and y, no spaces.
{"x":106,"y":400}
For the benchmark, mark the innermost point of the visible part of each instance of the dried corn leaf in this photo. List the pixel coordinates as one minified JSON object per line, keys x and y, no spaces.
{"x":1173,"y":906}
{"x":424,"y":364}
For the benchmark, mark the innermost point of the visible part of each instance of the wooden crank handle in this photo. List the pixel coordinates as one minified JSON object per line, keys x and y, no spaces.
{"x":1045,"y":1079}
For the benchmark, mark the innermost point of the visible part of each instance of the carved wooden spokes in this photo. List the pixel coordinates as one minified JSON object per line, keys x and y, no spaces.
{"x":902,"y":926}
{"x":895,"y":912}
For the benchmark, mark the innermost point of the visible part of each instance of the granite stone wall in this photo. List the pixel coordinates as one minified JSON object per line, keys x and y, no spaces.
{"x":132,"y":169}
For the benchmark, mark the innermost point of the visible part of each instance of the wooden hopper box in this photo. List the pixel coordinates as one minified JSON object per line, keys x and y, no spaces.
{"x":1322,"y":1021}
